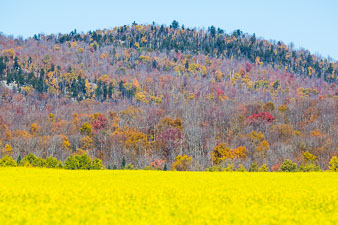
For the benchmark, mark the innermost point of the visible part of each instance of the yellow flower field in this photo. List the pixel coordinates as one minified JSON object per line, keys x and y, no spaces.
{"x":51,"y":196}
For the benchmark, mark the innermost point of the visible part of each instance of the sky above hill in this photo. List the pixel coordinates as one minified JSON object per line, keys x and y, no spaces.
{"x":311,"y":24}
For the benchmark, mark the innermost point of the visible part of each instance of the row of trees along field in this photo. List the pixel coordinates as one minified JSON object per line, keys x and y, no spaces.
{"x":151,"y":93}
{"x":81,"y":161}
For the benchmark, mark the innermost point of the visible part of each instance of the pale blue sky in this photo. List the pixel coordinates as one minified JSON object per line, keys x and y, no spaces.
{"x":312,"y":24}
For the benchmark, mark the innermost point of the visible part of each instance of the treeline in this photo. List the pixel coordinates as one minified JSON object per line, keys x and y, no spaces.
{"x":81,"y":161}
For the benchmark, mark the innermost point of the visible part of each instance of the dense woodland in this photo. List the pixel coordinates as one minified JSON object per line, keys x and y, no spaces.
{"x":160,"y":96}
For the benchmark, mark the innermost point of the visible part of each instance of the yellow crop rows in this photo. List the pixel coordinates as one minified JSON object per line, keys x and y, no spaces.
{"x":51,"y":196}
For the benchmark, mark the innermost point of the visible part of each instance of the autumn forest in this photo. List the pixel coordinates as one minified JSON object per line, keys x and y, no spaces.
{"x":168,"y":97}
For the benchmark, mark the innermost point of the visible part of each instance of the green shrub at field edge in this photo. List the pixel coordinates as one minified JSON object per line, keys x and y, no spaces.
{"x":82,"y":162}
{"x":7,"y":161}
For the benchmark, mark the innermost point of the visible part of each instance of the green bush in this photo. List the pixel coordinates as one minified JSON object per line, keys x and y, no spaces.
{"x":96,"y":164}
{"x":309,"y":167}
{"x":72,"y":163}
{"x":82,"y":162}
{"x":78,"y":162}
{"x":215,"y":169}
{"x":129,"y":167}
{"x":241,"y":168}
{"x":28,"y":159}
{"x":7,"y":161}
{"x":39,"y":162}
{"x":263,"y":168}
{"x":52,"y":162}
{"x":150,"y":167}
{"x":229,"y":168}
{"x":253,"y":167}
{"x":333,"y":165}
{"x":32,"y":160}
{"x":288,"y":166}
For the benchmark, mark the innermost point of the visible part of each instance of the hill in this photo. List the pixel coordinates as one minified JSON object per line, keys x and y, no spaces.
{"x":149,"y":93}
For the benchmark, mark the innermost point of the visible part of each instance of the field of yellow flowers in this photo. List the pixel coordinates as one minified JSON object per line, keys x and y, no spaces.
{"x":52,"y":196}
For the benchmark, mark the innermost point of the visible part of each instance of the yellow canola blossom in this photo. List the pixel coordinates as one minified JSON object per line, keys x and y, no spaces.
{"x":52,"y":196}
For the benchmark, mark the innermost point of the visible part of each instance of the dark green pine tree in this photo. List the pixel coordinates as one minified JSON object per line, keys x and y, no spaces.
{"x":9,"y":78}
{"x":186,"y":64}
{"x":105,"y":90}
{"x":98,"y":91}
{"x":74,"y":88}
{"x":212,"y":31}
{"x":110,"y":90}
{"x":16,"y":65}
{"x":122,"y":89}
{"x":2,"y":67}
{"x":81,"y":85}
{"x":18,"y":160}
{"x":123,"y":163}
{"x":174,"y":25}
{"x":40,"y":83}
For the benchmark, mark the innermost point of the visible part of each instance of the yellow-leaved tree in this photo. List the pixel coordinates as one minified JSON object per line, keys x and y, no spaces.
{"x":182,"y":163}
{"x":8,"y":150}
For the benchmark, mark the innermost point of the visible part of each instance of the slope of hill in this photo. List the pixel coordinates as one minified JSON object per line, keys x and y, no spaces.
{"x":149,"y":93}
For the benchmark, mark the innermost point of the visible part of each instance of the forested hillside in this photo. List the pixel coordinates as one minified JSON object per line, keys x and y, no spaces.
{"x":155,"y":96}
